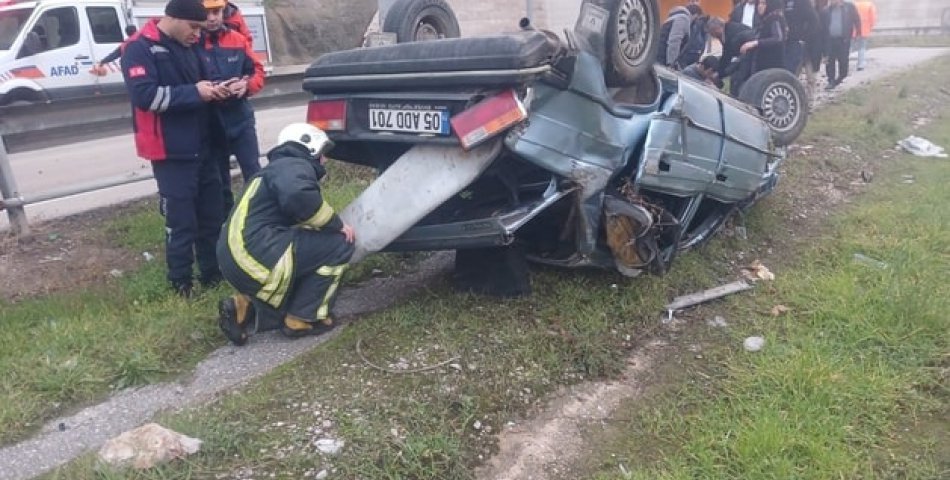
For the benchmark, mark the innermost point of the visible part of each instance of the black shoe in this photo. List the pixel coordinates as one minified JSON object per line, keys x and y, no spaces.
{"x":183,"y":289}
{"x":297,"y":328}
{"x":232,"y":322}
{"x":211,"y":281}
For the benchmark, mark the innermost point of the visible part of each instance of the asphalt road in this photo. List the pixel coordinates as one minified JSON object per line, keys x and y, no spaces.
{"x":85,"y":162}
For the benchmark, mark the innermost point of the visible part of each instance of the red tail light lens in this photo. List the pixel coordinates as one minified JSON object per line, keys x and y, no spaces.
{"x":327,"y":115}
{"x":488,"y":118}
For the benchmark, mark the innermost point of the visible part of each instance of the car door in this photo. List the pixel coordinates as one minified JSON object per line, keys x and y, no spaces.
{"x":106,"y":34}
{"x":59,"y":56}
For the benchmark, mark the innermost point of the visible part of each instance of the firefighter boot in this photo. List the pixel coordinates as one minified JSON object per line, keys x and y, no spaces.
{"x":296,"y":327}
{"x":234,"y":313}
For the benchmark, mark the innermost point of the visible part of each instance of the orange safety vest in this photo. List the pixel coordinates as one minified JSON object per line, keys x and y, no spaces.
{"x":868,"y":13}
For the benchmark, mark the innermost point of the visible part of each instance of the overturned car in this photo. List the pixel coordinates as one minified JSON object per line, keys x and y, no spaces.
{"x":573,"y":152}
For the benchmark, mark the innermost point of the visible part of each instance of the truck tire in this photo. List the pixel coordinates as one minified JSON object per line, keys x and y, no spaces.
{"x":781,"y":100}
{"x":419,"y":20}
{"x":632,"y":39}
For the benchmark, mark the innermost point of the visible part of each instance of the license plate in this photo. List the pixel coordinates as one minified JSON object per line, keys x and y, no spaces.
{"x":433,"y":122}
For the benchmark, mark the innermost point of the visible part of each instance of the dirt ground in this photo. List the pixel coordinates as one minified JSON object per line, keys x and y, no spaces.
{"x":63,"y":255}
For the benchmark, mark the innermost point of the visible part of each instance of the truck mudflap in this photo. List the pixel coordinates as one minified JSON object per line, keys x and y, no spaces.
{"x":418,"y":182}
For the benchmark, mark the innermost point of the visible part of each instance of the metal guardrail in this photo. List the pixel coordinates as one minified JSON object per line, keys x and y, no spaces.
{"x":46,"y":124}
{"x":10,"y":196}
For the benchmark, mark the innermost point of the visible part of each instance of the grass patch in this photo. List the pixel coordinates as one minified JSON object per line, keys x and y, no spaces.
{"x":852,"y":384}
{"x":62,"y":351}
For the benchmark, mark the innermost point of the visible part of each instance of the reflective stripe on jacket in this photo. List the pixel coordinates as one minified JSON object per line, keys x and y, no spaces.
{"x":168,"y":116}
{"x":282,"y":198}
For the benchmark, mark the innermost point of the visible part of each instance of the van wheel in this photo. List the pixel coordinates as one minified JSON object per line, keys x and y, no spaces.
{"x":22,"y":96}
{"x":781,"y":100}
{"x":420,"y":20}
{"x":632,"y":31}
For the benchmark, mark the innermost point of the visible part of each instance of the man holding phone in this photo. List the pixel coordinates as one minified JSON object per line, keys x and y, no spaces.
{"x":168,"y":86}
{"x":233,"y":65}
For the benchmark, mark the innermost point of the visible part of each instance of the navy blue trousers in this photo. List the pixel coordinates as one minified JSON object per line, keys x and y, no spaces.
{"x":245,"y":149}
{"x":190,"y":201}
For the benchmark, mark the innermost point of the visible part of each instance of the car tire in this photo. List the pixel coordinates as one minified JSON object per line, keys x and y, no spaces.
{"x":781,"y":100}
{"x":631,"y":41}
{"x":419,"y":20}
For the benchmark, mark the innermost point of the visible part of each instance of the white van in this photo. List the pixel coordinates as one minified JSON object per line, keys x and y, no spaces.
{"x":48,"y":47}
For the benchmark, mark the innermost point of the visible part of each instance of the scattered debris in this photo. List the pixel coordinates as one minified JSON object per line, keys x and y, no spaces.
{"x":359,"y":351}
{"x":908,"y":179}
{"x":685,"y":301}
{"x":477,"y":425}
{"x":322,"y":474}
{"x":921,"y":147}
{"x":148,"y":256}
{"x":757,"y":271}
{"x":147,"y":446}
{"x":779,"y":310}
{"x":753,"y":344}
{"x":717,"y":322}
{"x":867,"y":176}
{"x":742,"y":233}
{"x":115,"y":273}
{"x":329,"y":446}
{"x":868,"y":261}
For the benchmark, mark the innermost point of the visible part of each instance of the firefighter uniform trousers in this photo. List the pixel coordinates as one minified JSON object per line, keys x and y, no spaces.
{"x":304,"y":280}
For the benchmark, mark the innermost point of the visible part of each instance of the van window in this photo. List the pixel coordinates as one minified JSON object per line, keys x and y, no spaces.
{"x":57,"y":28}
{"x":11,"y":22}
{"x":105,"y":24}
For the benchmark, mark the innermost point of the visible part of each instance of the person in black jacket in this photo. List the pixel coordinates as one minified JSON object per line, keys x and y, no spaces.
{"x":840,"y":22}
{"x":802,"y":20}
{"x":283,"y":248}
{"x":117,"y":53}
{"x":736,"y":61}
{"x":769,"y":45}
{"x":746,"y":13}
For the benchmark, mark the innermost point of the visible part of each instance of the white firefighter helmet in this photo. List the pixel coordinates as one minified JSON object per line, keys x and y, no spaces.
{"x":307,"y":135}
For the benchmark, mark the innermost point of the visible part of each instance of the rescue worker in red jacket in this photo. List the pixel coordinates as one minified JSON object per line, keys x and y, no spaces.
{"x":235,"y":21}
{"x":171,"y":96}
{"x":283,"y":247}
{"x":231,"y":61}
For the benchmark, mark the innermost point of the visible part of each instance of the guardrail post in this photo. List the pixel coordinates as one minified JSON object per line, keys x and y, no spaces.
{"x":8,"y":191}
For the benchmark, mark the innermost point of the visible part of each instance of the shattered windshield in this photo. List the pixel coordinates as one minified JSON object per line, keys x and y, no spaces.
{"x":11,"y":22}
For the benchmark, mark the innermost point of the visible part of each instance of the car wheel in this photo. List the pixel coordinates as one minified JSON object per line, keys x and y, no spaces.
{"x":420,"y":20}
{"x":781,"y":100}
{"x":631,"y":42}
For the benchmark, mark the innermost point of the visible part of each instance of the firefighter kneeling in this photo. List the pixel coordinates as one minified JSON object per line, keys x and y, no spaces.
{"x":283,"y":247}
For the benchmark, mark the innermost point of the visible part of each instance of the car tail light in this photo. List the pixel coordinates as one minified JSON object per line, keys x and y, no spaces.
{"x":488,"y":118}
{"x":327,"y":115}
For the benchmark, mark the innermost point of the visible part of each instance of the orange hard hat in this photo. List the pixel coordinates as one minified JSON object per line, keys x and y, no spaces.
{"x":212,"y":4}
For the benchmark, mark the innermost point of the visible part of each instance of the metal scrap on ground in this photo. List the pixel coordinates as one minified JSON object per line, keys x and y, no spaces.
{"x":692,"y":299}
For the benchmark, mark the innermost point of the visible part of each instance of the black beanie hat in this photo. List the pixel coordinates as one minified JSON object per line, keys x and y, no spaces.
{"x":192,"y":10}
